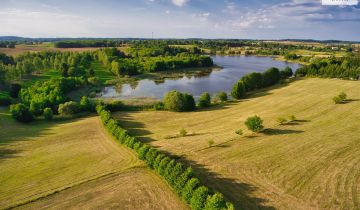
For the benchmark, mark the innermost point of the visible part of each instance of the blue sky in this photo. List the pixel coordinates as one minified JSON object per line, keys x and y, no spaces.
{"x":255,"y":19}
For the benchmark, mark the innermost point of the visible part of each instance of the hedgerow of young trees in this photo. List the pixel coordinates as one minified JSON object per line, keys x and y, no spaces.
{"x":179,"y":177}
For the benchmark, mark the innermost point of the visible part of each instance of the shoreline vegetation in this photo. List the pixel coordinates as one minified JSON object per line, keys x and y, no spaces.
{"x":51,"y":86}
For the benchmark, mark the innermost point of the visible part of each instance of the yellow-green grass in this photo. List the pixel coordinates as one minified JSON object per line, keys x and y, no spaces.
{"x":101,"y":73}
{"x":311,"y":163}
{"x":47,"y":162}
{"x":133,"y":189}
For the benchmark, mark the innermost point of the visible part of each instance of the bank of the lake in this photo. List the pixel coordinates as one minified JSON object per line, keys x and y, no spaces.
{"x":195,"y":83}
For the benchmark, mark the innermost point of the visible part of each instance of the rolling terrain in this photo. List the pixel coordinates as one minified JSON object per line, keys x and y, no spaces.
{"x":310,"y":163}
{"x":74,"y":164}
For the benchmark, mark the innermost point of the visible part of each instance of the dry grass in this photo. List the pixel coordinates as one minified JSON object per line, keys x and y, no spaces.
{"x":312,"y":163}
{"x":132,"y":189}
{"x":46,"y":163}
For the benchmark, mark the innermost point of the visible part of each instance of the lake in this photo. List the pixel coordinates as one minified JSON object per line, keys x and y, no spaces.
{"x":232,"y":69}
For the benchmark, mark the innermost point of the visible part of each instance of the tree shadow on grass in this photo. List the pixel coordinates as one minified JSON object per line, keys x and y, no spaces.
{"x":239,"y":193}
{"x":134,"y":128}
{"x":349,"y":101}
{"x":13,"y":131}
{"x":272,"y":131}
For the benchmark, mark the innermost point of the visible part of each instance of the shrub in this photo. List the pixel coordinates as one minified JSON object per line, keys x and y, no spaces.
{"x":48,"y":114}
{"x":21,"y":113}
{"x":5,"y":100}
{"x":142,"y":151}
{"x":292,"y":118}
{"x":162,"y":165}
{"x":286,"y":73}
{"x":341,"y":98}
{"x":189,"y":102}
{"x":222,"y":96}
{"x":137,"y":146}
{"x":14,"y":90}
{"x":205,"y":100}
{"x":150,"y":157}
{"x":159,"y":106}
{"x":177,"y":170}
{"x":198,"y":200}
{"x":105,"y":116}
{"x":179,"y":102}
{"x":238,"y":91}
{"x":211,"y":143}
{"x":337,"y":100}
{"x":254,"y":124}
{"x":281,"y":120}
{"x":252,"y":81}
{"x":157,"y":161}
{"x":182,"y":132}
{"x":239,"y":132}
{"x":270,"y":77}
{"x":182,"y":179}
{"x":215,"y":202}
{"x":36,"y":108}
{"x":189,"y":188}
{"x":173,"y":101}
{"x":69,"y":108}
{"x":86,"y":105}
{"x":169,"y":168}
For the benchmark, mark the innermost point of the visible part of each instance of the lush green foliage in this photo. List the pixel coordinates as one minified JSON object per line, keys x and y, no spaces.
{"x":179,"y":102}
{"x":69,"y":108}
{"x":21,"y":113}
{"x":48,"y":114}
{"x":222,"y":96}
{"x":48,"y":94}
{"x":205,"y":100}
{"x":238,"y":90}
{"x":86,"y":104}
{"x":345,"y":68}
{"x":341,"y":98}
{"x":254,"y":123}
{"x":178,"y":176}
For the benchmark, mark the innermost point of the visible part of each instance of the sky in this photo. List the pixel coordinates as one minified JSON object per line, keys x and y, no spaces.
{"x":240,"y":19}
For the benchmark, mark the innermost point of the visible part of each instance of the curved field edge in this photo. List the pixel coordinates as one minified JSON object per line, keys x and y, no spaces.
{"x":43,"y":159}
{"x":311,"y":163}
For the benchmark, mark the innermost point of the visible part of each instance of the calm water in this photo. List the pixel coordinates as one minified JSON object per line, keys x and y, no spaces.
{"x":233,"y":68}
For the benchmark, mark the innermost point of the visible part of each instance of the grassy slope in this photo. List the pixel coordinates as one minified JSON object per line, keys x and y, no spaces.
{"x":312,"y":163}
{"x":76,"y":158}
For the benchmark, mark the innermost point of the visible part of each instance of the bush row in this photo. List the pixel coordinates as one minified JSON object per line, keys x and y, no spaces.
{"x":180,"y":177}
{"x":257,"y":80}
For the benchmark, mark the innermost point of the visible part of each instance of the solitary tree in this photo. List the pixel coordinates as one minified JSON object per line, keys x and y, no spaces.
{"x":254,"y":124}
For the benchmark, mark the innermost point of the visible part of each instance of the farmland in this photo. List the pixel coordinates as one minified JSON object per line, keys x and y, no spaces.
{"x":74,"y":164}
{"x":310,"y":163}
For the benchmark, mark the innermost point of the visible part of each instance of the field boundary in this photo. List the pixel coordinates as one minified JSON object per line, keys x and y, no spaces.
{"x":180,"y":177}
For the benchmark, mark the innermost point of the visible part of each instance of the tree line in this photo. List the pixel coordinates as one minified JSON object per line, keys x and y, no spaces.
{"x":344,"y":68}
{"x":180,"y":177}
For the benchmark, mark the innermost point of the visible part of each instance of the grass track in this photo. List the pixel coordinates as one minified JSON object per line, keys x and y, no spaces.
{"x":46,"y":162}
{"x":313,"y":163}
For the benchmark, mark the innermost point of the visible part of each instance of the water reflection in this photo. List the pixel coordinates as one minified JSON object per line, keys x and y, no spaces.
{"x":233,"y":68}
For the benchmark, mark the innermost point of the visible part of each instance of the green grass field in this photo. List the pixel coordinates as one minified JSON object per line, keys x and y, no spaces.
{"x":311,"y":163}
{"x":74,"y":164}
{"x":101,"y":73}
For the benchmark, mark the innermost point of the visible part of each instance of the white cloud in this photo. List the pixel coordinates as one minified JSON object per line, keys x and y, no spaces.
{"x":202,"y":16}
{"x":167,"y":12}
{"x":179,"y":3}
